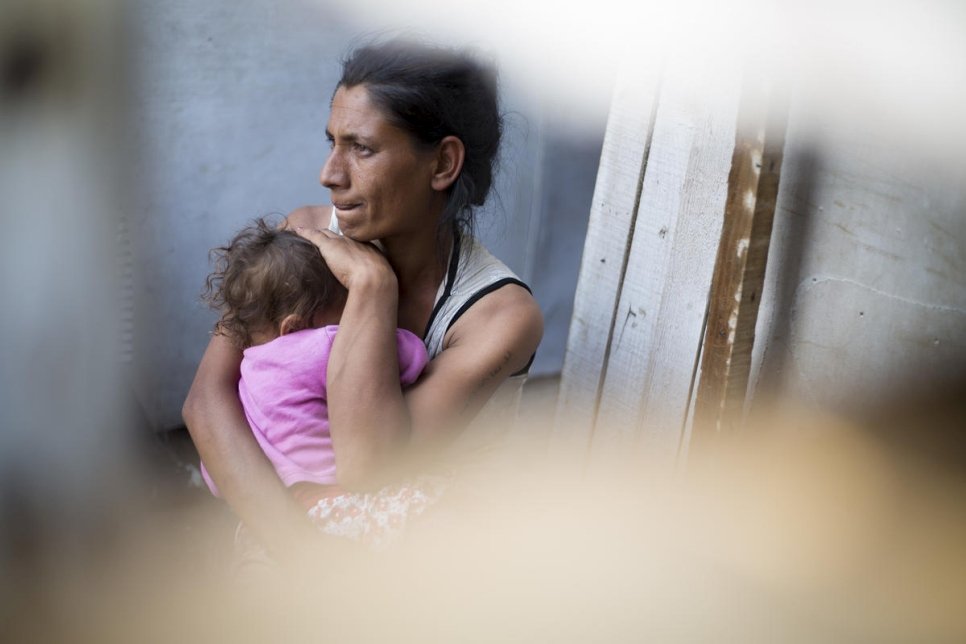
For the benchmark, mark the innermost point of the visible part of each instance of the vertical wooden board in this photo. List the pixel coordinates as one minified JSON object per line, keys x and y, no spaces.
{"x":661,"y":309}
{"x":739,"y":269}
{"x":623,"y":157}
{"x":759,"y":248}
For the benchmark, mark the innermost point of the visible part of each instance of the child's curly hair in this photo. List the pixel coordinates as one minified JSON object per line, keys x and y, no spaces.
{"x":263,"y":275}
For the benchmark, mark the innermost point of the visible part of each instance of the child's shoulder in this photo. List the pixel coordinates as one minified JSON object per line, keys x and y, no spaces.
{"x":296,"y":342}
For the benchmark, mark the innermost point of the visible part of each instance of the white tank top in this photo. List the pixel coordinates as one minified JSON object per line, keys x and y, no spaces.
{"x":472,"y":273}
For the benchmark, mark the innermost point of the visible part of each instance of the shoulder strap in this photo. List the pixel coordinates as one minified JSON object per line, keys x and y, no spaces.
{"x":454,"y":262}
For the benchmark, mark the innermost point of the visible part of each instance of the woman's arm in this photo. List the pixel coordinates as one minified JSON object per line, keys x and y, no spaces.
{"x":233,"y":458}
{"x":369,"y":419}
{"x":494,"y":339}
{"x":372,"y":416}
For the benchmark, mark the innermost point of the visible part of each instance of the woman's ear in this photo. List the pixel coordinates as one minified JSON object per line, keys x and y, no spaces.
{"x":450,"y":154}
{"x":290,"y":323}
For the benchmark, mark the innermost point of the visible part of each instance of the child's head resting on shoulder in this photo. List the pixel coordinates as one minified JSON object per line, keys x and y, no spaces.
{"x":268,"y":282}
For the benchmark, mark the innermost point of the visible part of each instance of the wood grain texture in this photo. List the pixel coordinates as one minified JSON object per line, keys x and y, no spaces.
{"x":660,"y":312}
{"x":742,"y":256}
{"x":613,"y":211}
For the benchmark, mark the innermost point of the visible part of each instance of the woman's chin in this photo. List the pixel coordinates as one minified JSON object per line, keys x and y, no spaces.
{"x":359,"y":233}
{"x":355,"y":225}
{"x":350,"y":224}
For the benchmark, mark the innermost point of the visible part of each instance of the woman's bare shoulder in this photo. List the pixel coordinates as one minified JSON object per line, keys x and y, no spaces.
{"x":507,"y":321}
{"x":309,"y":217}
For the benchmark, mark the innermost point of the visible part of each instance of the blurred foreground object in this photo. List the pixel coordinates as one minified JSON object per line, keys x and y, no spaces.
{"x":806,"y":530}
{"x":65,"y":432}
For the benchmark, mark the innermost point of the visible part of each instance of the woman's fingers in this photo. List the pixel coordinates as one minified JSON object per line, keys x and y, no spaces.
{"x":314,"y":235}
{"x":347,"y":259}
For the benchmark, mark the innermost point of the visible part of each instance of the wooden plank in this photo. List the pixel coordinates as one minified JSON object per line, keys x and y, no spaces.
{"x":614,"y":206}
{"x":741,"y":260}
{"x":660,"y":314}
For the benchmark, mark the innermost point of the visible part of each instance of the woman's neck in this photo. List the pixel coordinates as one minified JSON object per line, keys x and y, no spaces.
{"x":419,"y":261}
{"x":420,"y":265}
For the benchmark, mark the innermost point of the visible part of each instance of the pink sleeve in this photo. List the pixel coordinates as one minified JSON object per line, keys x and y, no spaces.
{"x":412,"y":356}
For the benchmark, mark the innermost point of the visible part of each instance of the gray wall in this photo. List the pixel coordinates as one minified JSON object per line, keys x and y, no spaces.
{"x":865,"y":294}
{"x":229,"y":112}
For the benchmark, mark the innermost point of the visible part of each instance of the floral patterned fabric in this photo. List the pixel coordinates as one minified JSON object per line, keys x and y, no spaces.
{"x":376,"y":519}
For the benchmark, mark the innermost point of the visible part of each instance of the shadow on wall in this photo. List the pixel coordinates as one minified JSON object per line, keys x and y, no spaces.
{"x":864,"y":297}
{"x":569,"y":173}
{"x":786,"y":258}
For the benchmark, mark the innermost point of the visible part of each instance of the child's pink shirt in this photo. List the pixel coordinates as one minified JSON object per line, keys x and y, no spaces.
{"x":283,"y":391}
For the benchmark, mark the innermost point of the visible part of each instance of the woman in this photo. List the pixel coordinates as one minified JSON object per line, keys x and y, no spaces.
{"x":414,"y":132}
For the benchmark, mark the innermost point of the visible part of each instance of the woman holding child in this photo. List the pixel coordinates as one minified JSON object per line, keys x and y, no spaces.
{"x":414,"y":132}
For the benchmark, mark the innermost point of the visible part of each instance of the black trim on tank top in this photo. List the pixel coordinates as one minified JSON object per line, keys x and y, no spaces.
{"x":525,"y":369}
{"x":486,"y":290}
{"x":454,"y":262}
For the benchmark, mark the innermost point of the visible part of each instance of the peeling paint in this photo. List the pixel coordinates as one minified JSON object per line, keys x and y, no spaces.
{"x":756,"y":158}
{"x":732,"y":326}
{"x":742,"y":247}
{"x":749,"y":200}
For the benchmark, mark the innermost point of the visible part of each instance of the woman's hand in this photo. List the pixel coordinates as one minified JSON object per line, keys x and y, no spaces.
{"x":353,"y":263}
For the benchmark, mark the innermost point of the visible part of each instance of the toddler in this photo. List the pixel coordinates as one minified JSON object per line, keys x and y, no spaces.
{"x":280,"y":304}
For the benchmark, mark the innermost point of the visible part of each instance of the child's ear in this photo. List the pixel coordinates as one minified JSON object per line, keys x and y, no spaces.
{"x":290,"y":323}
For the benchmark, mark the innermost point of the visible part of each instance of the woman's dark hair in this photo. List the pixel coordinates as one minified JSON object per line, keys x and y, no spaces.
{"x":263,"y":275}
{"x":433,"y":92}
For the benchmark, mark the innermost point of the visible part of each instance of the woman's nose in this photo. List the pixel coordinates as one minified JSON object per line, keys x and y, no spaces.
{"x":333,"y":173}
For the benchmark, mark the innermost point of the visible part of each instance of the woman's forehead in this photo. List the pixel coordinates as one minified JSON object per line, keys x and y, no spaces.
{"x":354,"y":113}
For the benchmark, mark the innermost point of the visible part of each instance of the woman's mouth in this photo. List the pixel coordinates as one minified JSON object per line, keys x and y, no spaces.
{"x":344,"y":207}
